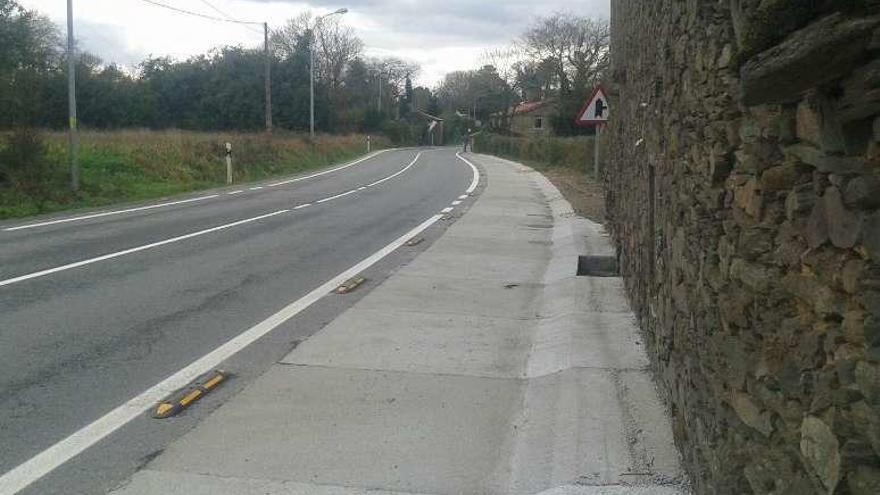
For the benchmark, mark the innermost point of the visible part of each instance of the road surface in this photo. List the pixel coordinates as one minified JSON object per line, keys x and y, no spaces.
{"x":96,"y":308}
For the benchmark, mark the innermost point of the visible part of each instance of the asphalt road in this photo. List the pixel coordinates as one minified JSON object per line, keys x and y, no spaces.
{"x":96,"y":310}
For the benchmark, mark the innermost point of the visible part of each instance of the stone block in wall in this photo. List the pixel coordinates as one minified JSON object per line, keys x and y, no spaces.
{"x":817,"y":123}
{"x":821,"y":451}
{"x":825,"y":163}
{"x":863,"y":192}
{"x":824,"y":51}
{"x":860,"y":94}
{"x":844,"y":225}
{"x":871,"y":239}
{"x":864,"y":480}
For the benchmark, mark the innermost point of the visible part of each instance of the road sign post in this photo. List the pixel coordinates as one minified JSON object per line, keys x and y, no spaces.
{"x":595,"y":113}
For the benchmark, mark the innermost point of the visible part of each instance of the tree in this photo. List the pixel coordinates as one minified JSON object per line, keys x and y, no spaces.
{"x":29,"y":52}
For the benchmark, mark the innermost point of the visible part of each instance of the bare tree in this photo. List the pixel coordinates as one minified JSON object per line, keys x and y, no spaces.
{"x":574,"y":49}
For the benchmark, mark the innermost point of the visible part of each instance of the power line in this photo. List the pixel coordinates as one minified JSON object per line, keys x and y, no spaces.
{"x":198,"y":14}
{"x":227,"y":16}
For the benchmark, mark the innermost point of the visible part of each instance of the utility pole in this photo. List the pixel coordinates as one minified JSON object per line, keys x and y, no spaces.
{"x":72,"y":137}
{"x":268,"y":77}
{"x":312,"y":42}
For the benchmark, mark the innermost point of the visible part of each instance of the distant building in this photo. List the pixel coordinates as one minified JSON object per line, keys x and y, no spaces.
{"x":528,"y":118}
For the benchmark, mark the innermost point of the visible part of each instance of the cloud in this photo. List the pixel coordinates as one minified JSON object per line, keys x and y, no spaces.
{"x":108,"y":42}
{"x":440,"y":35}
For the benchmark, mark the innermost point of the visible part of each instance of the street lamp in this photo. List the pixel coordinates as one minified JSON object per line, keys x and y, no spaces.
{"x":312,"y":70}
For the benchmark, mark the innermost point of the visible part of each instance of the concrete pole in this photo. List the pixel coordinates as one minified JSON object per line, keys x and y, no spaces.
{"x":73,"y":136}
{"x":229,"y":163}
{"x":312,"y":84}
{"x":268,"y":77}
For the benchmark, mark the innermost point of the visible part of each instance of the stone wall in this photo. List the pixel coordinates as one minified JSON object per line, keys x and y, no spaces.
{"x":743,"y":193}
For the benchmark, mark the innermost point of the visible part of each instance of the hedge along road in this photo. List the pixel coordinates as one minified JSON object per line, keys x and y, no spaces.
{"x":97,"y":310}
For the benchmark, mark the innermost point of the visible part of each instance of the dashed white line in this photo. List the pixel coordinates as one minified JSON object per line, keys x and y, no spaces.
{"x":446,"y":210}
{"x":456,"y":203}
{"x":463,"y":196}
{"x":109,"y":213}
{"x":257,"y":188}
{"x":298,"y":179}
{"x":331,"y":198}
{"x":300,"y":207}
{"x":230,"y":193}
{"x":145,"y":247}
{"x":48,"y":460}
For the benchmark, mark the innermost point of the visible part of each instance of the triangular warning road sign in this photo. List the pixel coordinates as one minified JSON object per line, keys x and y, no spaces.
{"x":595,"y":111}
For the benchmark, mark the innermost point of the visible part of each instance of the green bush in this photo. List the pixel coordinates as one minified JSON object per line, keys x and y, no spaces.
{"x":547,"y":151}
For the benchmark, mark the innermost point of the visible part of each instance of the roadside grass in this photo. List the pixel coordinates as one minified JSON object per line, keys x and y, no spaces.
{"x":135,"y":165}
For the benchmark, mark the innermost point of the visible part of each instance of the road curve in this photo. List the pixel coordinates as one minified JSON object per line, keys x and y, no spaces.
{"x":95,"y":310}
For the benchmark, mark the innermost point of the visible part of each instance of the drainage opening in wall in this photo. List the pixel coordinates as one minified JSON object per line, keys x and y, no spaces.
{"x":597,"y":266}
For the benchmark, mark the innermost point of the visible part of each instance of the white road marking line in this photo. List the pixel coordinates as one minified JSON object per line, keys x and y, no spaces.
{"x":290,"y":181}
{"x":361,"y":188}
{"x":235,"y":192}
{"x":456,"y":203}
{"x":48,"y":460}
{"x":117,"y":254}
{"x":476,"y":173}
{"x":256,"y":188}
{"x":463,"y":196}
{"x":109,"y":213}
{"x":300,"y":207}
{"x":446,"y":210}
{"x":404,"y":169}
{"x":331,"y":198}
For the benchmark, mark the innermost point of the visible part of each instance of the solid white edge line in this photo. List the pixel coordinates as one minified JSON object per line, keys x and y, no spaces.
{"x":109,"y":213}
{"x":360,"y":160}
{"x":135,"y":249}
{"x":48,"y":460}
{"x":476,"y":180}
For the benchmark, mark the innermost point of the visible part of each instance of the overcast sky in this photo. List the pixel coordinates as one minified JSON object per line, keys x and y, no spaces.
{"x":441,"y":35}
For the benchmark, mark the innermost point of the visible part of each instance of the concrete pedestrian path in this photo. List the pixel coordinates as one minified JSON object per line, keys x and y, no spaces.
{"x":485,"y":366}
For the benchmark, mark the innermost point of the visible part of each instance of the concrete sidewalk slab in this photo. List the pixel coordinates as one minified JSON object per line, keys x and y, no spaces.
{"x":485,"y":366}
{"x":337,"y":426}
{"x":418,"y":342}
{"x":458,"y":295}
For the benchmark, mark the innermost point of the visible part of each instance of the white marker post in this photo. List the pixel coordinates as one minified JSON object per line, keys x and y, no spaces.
{"x":229,"y":163}
{"x":595,"y":113}
{"x":369,"y":144}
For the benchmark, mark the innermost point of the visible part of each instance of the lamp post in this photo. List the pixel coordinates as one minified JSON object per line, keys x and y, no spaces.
{"x":312,"y":71}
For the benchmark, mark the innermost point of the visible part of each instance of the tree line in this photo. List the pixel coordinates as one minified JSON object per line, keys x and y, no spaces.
{"x":220,"y":90}
{"x":560,"y":58}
